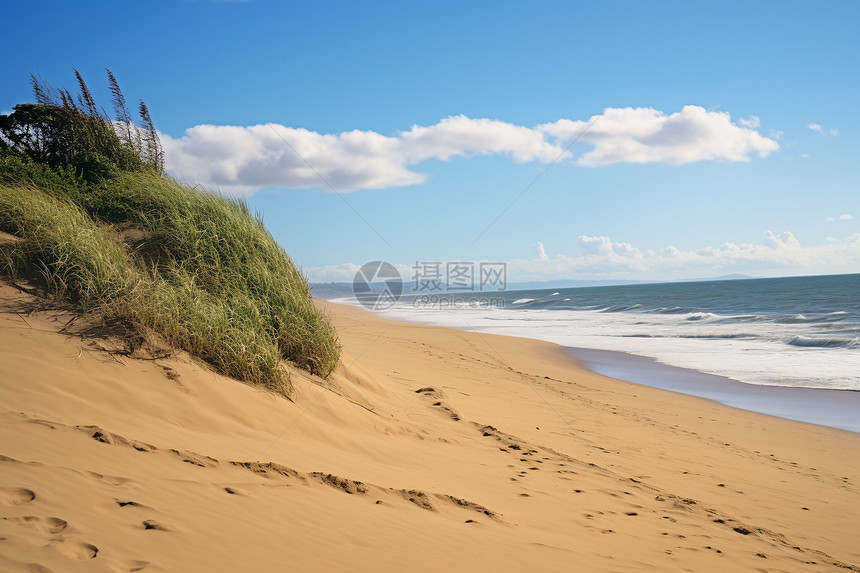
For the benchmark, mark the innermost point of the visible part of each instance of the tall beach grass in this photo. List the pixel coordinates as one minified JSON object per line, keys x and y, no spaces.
{"x":197,"y":268}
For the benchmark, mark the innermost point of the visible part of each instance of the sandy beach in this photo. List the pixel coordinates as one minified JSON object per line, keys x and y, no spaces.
{"x":429,"y":449}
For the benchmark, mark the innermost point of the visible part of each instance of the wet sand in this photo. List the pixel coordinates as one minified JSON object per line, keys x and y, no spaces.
{"x":833,"y":408}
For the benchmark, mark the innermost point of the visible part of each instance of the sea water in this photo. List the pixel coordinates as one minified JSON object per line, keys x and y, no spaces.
{"x":795,"y":332}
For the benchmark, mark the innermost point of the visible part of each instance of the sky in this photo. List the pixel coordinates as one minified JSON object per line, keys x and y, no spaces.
{"x":569,"y":140}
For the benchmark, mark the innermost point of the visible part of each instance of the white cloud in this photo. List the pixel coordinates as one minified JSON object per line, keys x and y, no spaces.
{"x":243,"y":159}
{"x":541,"y":252}
{"x":753,"y":122}
{"x":463,"y":136}
{"x":817,"y":128}
{"x":842,"y":217}
{"x":646,"y":135}
{"x":246,"y":158}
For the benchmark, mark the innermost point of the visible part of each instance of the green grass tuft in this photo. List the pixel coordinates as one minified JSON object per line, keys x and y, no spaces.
{"x":197,"y":268}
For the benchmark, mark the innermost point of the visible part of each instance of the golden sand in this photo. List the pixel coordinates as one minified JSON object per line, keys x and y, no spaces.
{"x":429,"y":450}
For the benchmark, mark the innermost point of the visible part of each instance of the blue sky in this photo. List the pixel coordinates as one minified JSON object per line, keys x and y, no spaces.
{"x":721,"y":137}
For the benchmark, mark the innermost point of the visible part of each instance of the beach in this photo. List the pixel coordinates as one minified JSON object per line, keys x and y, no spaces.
{"x":786,"y":347}
{"x":428,"y":449}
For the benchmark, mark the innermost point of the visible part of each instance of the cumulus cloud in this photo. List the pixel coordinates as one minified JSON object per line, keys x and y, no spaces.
{"x":647,"y":135}
{"x":246,"y":158}
{"x":817,"y":128}
{"x":842,"y":217}
{"x":463,"y":136}
{"x":753,"y":122}
{"x":541,"y":252}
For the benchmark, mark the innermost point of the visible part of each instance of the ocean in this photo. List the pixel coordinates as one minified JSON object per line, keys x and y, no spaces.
{"x":801,"y":332}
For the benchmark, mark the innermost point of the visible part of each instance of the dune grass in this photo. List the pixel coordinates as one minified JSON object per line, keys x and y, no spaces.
{"x":105,"y":230}
{"x":77,"y":260}
{"x":201,"y":270}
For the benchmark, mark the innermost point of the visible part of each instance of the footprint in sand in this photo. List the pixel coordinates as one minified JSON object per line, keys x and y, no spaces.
{"x":76,"y":549}
{"x":438,"y":396}
{"x":136,"y":565}
{"x":36,"y":568}
{"x":49,"y":525}
{"x":16,"y":495}
{"x":236,"y":491}
{"x":152,"y":524}
{"x":127,"y":503}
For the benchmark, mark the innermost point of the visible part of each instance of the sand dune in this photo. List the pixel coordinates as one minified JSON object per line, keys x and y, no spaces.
{"x":429,"y":450}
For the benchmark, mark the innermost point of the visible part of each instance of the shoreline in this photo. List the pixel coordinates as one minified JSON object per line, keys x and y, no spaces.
{"x":831,"y":408}
{"x":839,"y":409}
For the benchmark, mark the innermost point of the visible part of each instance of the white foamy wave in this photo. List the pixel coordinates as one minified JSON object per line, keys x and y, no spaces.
{"x":793,"y":319}
{"x":810,"y":342}
{"x":701,"y":316}
{"x":745,"y":348}
{"x":523,"y":300}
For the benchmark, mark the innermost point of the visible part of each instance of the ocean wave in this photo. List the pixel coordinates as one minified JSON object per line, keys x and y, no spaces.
{"x":796,"y":319}
{"x":523,"y":300}
{"x":738,"y":336}
{"x":701,"y":316}
{"x":622,"y":308}
{"x":807,"y":342}
{"x":671,"y":310}
{"x":803,"y":319}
